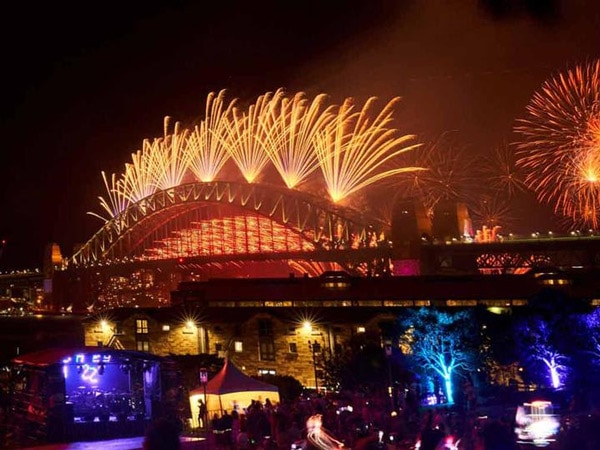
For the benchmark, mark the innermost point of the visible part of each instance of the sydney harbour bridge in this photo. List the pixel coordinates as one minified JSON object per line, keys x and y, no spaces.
{"x":223,"y":220}
{"x":196,"y":231}
{"x":223,"y":228}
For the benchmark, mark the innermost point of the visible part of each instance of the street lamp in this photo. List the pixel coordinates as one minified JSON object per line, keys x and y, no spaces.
{"x":315,"y":347}
{"x":203,"y":372}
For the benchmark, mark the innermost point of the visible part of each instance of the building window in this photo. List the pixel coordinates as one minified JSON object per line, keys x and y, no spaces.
{"x":267,"y":372}
{"x":141,"y":326}
{"x":265,"y":327}
{"x":143,"y":345}
{"x":293,"y":347}
{"x":238,"y":346}
{"x":266,"y":340}
{"x":166,"y":327}
{"x":267,"y":349}
{"x":360,"y":329}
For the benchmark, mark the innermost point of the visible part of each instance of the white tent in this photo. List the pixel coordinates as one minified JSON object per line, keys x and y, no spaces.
{"x":228,"y":390}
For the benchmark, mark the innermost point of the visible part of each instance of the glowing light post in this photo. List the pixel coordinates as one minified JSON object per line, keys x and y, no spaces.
{"x":315,"y":347}
{"x":388,"y":356}
{"x":203,"y":381}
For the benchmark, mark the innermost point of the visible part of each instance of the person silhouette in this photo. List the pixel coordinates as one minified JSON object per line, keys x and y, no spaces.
{"x":202,"y":413}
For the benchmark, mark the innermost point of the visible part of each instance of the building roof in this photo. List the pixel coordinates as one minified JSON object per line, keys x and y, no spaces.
{"x":230,"y":379}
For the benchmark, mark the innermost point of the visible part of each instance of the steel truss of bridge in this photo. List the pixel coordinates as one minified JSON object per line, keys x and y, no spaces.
{"x":513,"y":256}
{"x":316,"y":224}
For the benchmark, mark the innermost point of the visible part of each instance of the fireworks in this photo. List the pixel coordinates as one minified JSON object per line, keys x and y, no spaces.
{"x":138,"y":180}
{"x":116,"y":202}
{"x":247,"y":133}
{"x":501,"y":172}
{"x":352,"y":147}
{"x":295,"y":122}
{"x":207,"y":152}
{"x":492,"y":212}
{"x":170,"y":160}
{"x":560,"y":146}
{"x":449,"y":174}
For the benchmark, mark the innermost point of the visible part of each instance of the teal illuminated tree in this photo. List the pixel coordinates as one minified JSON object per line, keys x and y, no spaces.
{"x":440,"y":342}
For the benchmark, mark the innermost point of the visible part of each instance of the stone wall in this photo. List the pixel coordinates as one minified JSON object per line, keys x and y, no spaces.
{"x":291,"y":341}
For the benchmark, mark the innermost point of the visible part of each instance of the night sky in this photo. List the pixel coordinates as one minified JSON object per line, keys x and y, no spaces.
{"x":85,"y":82}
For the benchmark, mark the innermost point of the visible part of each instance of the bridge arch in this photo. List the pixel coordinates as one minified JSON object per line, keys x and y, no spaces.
{"x":309,"y":223}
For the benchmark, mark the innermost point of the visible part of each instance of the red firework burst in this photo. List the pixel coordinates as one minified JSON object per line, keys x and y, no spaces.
{"x":560,"y":144}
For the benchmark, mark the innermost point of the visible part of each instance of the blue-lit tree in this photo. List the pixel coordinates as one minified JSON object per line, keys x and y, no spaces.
{"x":592,"y":331}
{"x":587,"y":342}
{"x":440,"y":342}
{"x":540,"y":346}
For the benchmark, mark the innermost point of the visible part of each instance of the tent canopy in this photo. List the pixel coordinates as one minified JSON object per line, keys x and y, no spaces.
{"x":231,"y":379}
{"x":230,"y":389}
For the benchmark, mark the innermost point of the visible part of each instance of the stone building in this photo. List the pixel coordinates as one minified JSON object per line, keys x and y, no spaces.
{"x":276,"y":341}
{"x":282,"y":325}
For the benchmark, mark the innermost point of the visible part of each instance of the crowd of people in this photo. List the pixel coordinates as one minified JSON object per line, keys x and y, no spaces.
{"x":370,"y":424}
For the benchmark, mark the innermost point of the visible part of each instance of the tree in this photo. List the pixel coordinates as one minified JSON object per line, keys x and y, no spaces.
{"x":539,"y":345}
{"x":584,"y":346}
{"x":361,"y":365}
{"x":589,"y":326}
{"x":289,"y":387}
{"x":549,"y":338}
{"x":440,"y":342}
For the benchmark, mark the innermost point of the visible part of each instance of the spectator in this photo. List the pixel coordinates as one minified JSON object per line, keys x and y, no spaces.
{"x":202,"y":413}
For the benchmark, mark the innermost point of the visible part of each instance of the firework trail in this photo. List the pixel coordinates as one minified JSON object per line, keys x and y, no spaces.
{"x":170,"y":160}
{"x":501,"y":172}
{"x":247,"y":133}
{"x":492,"y":211}
{"x":295,"y":122}
{"x":449,"y":174}
{"x":559,"y":148}
{"x":139,"y":178}
{"x":353,"y":148}
{"x":116,"y":201}
{"x":207,"y":149}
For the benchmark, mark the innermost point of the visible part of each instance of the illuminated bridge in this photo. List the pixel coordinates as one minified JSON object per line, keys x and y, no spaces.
{"x":219,"y":222}
{"x":198,"y":231}
{"x":202,"y":223}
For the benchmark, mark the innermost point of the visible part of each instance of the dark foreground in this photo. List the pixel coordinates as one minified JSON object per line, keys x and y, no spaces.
{"x":132,"y":443}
